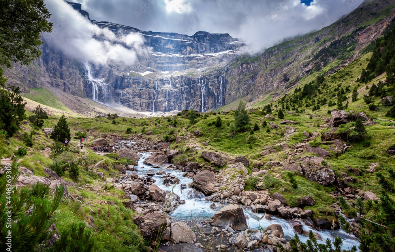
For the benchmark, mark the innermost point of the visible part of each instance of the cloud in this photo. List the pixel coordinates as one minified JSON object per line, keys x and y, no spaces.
{"x":261,"y":23}
{"x":79,"y":38}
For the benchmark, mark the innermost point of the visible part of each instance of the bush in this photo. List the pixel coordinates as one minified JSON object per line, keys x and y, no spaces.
{"x":368,"y":100}
{"x":251,"y":183}
{"x":373,"y":107}
{"x":75,"y":238}
{"x":129,"y":130}
{"x":12,"y":109}
{"x":21,"y":152}
{"x":264,"y":124}
{"x":74,"y":171}
{"x":57,"y":167}
{"x":271,"y":182}
{"x":57,"y":148}
{"x":391,"y":112}
{"x":37,"y":118}
{"x":80,"y":135}
{"x":39,"y":190}
{"x":28,"y":139}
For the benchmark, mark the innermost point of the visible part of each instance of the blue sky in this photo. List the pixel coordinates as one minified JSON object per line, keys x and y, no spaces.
{"x":306,"y":2}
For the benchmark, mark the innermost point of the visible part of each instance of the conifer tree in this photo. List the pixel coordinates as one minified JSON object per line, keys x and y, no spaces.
{"x":242,"y":120}
{"x":61,"y":130}
{"x":280,"y":114}
{"x":355,"y":95}
{"x":218,"y":123}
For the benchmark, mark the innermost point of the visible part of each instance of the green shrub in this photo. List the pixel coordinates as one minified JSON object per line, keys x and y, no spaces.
{"x":264,"y":124}
{"x":58,"y":168}
{"x":21,"y":152}
{"x":28,"y":139}
{"x":251,"y":183}
{"x":256,"y":127}
{"x":271,"y":182}
{"x":74,"y":171}
{"x":39,"y":190}
{"x":80,"y":135}
{"x":129,"y":130}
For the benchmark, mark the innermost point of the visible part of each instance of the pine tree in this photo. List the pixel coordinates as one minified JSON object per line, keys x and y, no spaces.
{"x":61,"y":130}
{"x":218,"y":123}
{"x":38,"y":118}
{"x":280,"y":114}
{"x":12,"y":110}
{"x":242,"y":120}
{"x":355,"y":95}
{"x":193,"y":115}
{"x":256,"y":127}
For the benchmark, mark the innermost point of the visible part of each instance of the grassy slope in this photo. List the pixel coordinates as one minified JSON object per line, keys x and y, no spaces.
{"x":45,"y":97}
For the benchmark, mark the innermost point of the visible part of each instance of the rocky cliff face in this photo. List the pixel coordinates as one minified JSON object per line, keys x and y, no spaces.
{"x":205,"y":71}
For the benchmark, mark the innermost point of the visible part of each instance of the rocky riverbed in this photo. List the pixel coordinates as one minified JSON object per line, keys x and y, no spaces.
{"x":186,"y":208}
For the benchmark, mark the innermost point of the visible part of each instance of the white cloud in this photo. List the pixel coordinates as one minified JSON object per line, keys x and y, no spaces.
{"x":75,"y":36}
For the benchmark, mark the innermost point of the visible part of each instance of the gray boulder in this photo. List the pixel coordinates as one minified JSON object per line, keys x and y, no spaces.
{"x":214,"y":158}
{"x":182,"y":233}
{"x":276,"y":230}
{"x":204,"y":182}
{"x":156,"y":193}
{"x":230,"y":215}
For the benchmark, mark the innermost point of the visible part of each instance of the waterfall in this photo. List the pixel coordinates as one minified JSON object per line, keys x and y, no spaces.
{"x":167,"y":97}
{"x":202,"y":90}
{"x":220,"y":93}
{"x":95,"y":83}
{"x":155,"y":96}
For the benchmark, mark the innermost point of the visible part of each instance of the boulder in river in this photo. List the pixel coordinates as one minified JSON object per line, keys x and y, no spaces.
{"x":182,"y":233}
{"x":137,"y":188}
{"x":276,"y":230}
{"x":230,"y":215}
{"x":241,"y":241}
{"x":157,"y":160}
{"x":156,"y":193}
{"x":204,"y":182}
{"x":273,"y":205}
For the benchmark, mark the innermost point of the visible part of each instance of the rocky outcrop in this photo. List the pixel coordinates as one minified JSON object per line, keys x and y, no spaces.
{"x":204,"y":182}
{"x":339,"y":117}
{"x":318,"y":170}
{"x":182,"y":233}
{"x":370,"y":196}
{"x":214,"y":158}
{"x":230,"y":215}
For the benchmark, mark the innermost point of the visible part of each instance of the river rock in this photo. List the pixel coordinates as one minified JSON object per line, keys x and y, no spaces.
{"x":152,"y":224}
{"x":306,"y":201}
{"x":239,"y":167}
{"x":204,"y":182}
{"x":156,"y":193}
{"x":214,"y":158}
{"x":276,"y":230}
{"x":241,"y":241}
{"x":297,"y":226}
{"x":157,"y":160}
{"x":137,"y":188}
{"x":230,"y":215}
{"x":243,"y":160}
{"x":317,"y":170}
{"x":285,"y":212}
{"x":273,"y":205}
{"x":133,"y":156}
{"x":191,"y":167}
{"x":182,"y":233}
{"x":279,"y":197}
